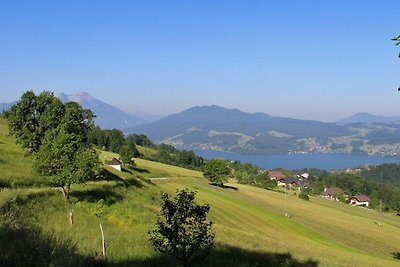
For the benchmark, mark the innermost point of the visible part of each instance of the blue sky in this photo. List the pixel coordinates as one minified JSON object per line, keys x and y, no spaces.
{"x":321,"y":60}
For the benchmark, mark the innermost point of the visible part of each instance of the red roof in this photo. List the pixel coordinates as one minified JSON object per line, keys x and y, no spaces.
{"x":114,"y":161}
{"x":361,"y":198}
{"x":332,"y":191}
{"x":277,"y":174}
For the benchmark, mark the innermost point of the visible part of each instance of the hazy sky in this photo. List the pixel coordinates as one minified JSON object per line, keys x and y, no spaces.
{"x":321,"y":60}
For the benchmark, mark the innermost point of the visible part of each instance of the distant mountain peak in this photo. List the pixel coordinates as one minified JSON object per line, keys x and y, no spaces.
{"x":78,"y":97}
{"x":365,"y":117}
{"x":107,"y":116}
{"x":215,"y":108}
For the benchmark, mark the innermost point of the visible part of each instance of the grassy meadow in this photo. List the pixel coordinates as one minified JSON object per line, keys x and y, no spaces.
{"x":249,"y":224}
{"x":15,"y":168}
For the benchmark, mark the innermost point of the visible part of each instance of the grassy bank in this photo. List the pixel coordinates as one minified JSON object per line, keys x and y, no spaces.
{"x":248,"y":222}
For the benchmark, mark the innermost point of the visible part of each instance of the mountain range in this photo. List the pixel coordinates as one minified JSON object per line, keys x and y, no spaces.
{"x":218,"y":128}
{"x":214,"y":127}
{"x":107,"y":116}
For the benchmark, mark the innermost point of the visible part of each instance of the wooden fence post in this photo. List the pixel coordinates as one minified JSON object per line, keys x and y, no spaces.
{"x":103,"y":242}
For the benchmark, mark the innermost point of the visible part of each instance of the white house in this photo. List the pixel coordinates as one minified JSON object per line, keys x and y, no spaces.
{"x":304,"y":175}
{"x":116,"y":164}
{"x":360,"y":200}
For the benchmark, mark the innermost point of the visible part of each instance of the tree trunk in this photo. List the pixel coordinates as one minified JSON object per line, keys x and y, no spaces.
{"x":65,"y":191}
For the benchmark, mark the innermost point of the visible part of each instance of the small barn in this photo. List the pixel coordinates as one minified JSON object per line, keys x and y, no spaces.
{"x":115,"y":163}
{"x":360,"y":200}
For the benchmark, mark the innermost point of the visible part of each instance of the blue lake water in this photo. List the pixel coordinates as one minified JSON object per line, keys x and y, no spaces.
{"x":299,"y":161}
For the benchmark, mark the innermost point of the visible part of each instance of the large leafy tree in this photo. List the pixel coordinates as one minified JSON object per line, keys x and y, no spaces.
{"x":32,"y":116}
{"x":64,"y":155}
{"x":182,"y":228}
{"x":56,"y":134}
{"x":216,"y":171}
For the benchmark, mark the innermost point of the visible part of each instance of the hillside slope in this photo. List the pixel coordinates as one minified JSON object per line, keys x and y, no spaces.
{"x":248,"y":222}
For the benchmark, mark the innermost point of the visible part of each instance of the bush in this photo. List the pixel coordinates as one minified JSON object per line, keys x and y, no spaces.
{"x":182,"y":230}
{"x":304,"y":196}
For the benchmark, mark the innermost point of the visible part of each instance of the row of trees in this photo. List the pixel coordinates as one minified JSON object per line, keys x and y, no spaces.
{"x":115,"y":141}
{"x":250,"y":174}
{"x":183,"y":158}
{"x":55,"y":134}
{"x":217,"y":171}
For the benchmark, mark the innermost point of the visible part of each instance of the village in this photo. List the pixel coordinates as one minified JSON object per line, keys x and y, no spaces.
{"x":300,"y":182}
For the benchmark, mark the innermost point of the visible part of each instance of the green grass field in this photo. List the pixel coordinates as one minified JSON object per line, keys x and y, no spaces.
{"x":249,"y":224}
{"x":15,"y":169}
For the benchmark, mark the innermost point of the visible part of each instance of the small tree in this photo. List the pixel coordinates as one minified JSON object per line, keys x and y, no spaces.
{"x":217,"y":171}
{"x":182,"y":230}
{"x":127,"y":155}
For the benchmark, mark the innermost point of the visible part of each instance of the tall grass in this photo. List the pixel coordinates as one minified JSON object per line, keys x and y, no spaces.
{"x":15,"y":166}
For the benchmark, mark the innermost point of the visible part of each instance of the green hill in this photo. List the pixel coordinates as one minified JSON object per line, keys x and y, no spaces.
{"x":248,"y":222}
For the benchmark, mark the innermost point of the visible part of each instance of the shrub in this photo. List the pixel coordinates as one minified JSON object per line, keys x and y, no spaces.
{"x":304,"y":196}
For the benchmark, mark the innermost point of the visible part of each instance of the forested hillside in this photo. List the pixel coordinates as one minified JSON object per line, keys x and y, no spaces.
{"x":386,"y":173}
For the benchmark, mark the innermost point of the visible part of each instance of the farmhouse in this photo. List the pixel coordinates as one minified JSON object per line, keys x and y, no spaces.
{"x":333,"y":193}
{"x":297,"y":184}
{"x":276,"y":175}
{"x":115,"y":163}
{"x":360,"y":200}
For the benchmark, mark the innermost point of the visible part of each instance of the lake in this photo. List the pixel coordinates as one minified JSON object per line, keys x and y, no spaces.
{"x":299,"y":161}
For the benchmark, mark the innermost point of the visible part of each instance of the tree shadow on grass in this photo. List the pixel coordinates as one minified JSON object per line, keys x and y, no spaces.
{"x":225,"y":255}
{"x":224,"y":186}
{"x":21,"y":245}
{"x":133,"y":182}
{"x":136,"y":169}
{"x":94,"y":195}
{"x":106,"y":175}
{"x":147,"y":181}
